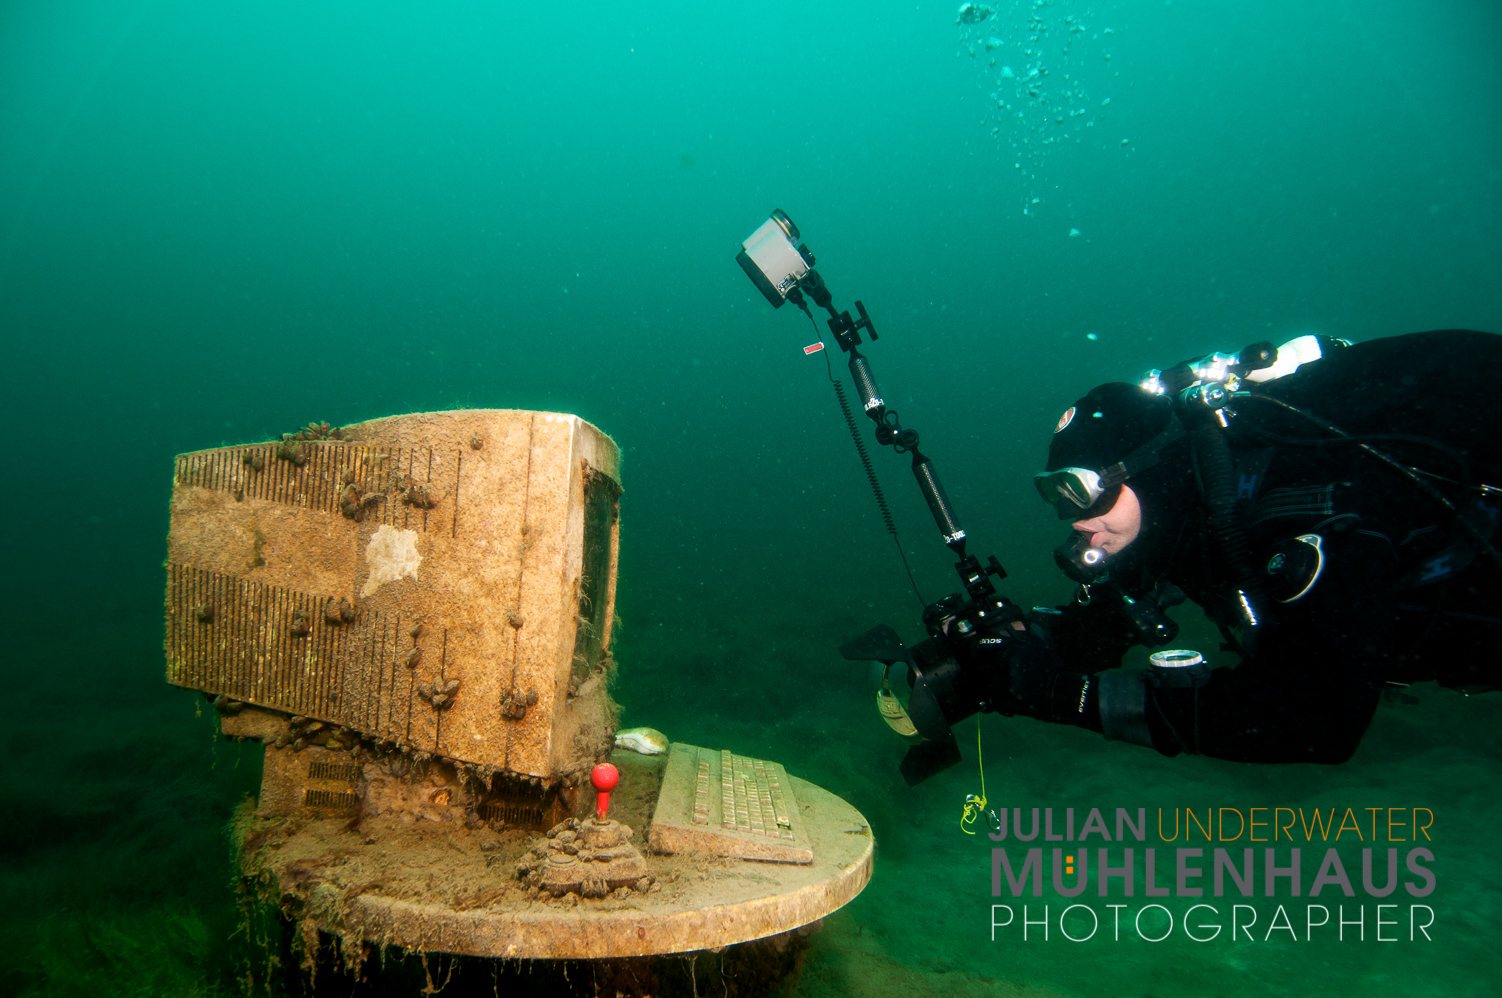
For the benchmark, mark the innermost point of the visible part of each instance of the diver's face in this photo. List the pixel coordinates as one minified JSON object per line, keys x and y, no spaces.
{"x":1117,"y":527}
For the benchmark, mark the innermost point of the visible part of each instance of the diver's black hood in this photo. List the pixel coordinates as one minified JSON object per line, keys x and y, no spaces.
{"x":1106,"y":426}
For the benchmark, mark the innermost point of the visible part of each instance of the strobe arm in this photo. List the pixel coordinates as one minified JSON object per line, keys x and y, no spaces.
{"x":938,"y":502}
{"x":975,"y":575}
{"x":890,"y":432}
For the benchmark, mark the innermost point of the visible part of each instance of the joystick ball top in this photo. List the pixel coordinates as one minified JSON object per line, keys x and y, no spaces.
{"x":604,"y":777}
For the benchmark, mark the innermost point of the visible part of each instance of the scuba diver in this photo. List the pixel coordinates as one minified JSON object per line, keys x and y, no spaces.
{"x":1331,"y":507}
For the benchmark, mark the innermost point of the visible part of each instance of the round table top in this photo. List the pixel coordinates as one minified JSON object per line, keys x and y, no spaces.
{"x":435,"y":888}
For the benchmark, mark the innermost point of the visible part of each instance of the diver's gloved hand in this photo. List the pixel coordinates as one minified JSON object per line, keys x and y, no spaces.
{"x":1040,"y":686}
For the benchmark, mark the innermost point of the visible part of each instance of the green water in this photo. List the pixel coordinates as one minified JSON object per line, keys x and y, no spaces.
{"x":219,"y":221}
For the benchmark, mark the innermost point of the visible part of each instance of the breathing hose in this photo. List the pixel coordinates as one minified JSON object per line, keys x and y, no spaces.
{"x":1212,"y":455}
{"x":1482,"y":544}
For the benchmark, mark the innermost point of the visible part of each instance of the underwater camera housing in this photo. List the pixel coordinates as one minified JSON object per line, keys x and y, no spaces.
{"x":938,"y":682}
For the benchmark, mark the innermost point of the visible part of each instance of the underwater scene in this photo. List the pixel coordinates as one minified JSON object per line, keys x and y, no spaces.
{"x":267,"y":227}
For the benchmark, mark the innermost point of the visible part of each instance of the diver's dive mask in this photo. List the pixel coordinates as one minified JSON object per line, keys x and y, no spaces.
{"x":1079,"y":493}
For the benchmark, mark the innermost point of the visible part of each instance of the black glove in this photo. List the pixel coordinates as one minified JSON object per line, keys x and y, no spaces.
{"x":1039,"y":685}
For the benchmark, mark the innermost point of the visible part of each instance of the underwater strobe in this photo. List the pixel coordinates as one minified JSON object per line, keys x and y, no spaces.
{"x":947,"y":677}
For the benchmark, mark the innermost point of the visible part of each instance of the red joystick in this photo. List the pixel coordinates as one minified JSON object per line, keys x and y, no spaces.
{"x":604,"y":777}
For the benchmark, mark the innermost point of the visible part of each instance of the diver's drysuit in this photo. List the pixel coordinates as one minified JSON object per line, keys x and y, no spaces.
{"x":1364,"y":579}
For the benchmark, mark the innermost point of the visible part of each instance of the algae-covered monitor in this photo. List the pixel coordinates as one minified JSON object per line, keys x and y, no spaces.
{"x":414,"y":615}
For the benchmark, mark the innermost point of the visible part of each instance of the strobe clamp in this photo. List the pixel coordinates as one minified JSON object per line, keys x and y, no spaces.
{"x":977,"y":577}
{"x":845,"y":330}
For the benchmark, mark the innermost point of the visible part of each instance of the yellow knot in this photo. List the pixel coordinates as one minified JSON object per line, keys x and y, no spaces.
{"x":975,"y":805}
